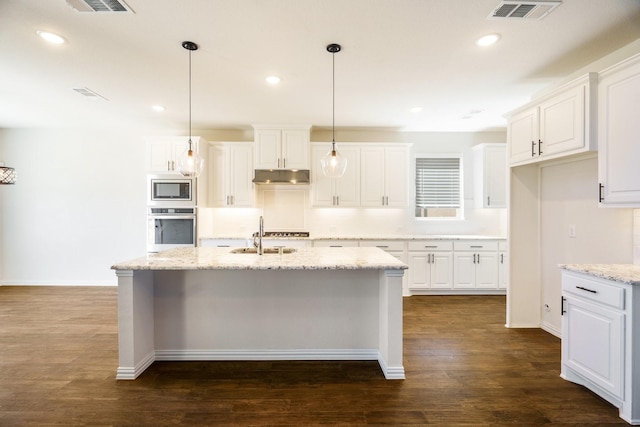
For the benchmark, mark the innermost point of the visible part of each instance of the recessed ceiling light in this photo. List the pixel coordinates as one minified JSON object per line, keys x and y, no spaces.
{"x":488,"y":40}
{"x":416,"y":109}
{"x":158,"y":108}
{"x":51,"y":37}
{"x":273,"y":80}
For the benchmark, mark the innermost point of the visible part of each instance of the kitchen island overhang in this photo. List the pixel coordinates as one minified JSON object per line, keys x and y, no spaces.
{"x":210,"y":304}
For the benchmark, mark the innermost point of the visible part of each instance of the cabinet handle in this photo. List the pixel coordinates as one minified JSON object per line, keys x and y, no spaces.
{"x":474,"y":258}
{"x":338,"y":200}
{"x":600,"y":188}
{"x":232,"y":201}
{"x":382,"y":246}
{"x":533,"y":146}
{"x":430,"y":246}
{"x":539,"y":147}
{"x":168,"y":165}
{"x":586,"y":289}
{"x":477,"y":246}
{"x":501,"y":258}
{"x":488,"y":200}
{"x":284,"y":163}
{"x":478,"y":258}
{"x":433,"y":258}
{"x":562,"y":310}
{"x":278,"y":163}
{"x":227,"y":200}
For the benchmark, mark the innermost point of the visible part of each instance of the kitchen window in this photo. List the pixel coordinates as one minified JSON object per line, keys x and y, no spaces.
{"x":438,"y":187}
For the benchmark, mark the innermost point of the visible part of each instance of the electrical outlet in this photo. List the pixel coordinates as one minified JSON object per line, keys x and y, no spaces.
{"x":572,"y":230}
{"x":547,"y":308}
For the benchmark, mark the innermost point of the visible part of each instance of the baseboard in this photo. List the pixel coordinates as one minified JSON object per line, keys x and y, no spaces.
{"x":131,"y":373}
{"x":551,"y":329}
{"x":60,"y":284}
{"x":306,"y":354}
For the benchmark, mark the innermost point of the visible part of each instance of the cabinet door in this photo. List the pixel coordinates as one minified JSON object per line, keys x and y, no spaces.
{"x":268,"y":144}
{"x":503,"y":270}
{"x":218,"y":185}
{"x":487,"y":270}
{"x":240,"y":173}
{"x":322,"y":187}
{"x":419,"y":271}
{"x":347,"y":187}
{"x":618,"y":136}
{"x":562,"y":122}
{"x":442,"y":270}
{"x":372,"y":176}
{"x":495,"y":178}
{"x":522,"y":132}
{"x":592,"y":343}
{"x":464,"y":270}
{"x":395,"y":174}
{"x":295,"y":149}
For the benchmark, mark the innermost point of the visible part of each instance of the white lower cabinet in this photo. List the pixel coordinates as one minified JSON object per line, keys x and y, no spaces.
{"x":503,"y":265}
{"x":430,"y":265}
{"x":600,"y":339}
{"x":475,"y":265}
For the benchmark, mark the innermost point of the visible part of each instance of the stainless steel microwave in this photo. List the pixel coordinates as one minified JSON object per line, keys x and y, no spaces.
{"x":170,"y":190}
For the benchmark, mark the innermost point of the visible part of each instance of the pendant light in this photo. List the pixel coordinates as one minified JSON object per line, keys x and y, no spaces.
{"x":190,"y":163}
{"x":333,"y":164}
{"x":7,"y":175}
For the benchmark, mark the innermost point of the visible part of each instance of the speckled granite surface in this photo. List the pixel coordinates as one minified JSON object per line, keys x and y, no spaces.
{"x":372,"y":237}
{"x":624,"y":273}
{"x":207,"y":258}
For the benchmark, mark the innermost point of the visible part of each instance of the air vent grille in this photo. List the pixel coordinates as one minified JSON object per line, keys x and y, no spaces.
{"x":89,"y":93}
{"x":535,"y":10}
{"x":99,"y":6}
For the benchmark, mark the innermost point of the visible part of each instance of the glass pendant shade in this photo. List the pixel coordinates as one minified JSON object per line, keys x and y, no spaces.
{"x":333,"y":164}
{"x":190,"y":163}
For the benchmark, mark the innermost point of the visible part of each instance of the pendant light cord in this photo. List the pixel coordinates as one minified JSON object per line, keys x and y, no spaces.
{"x":333,"y":97}
{"x":189,"y":100}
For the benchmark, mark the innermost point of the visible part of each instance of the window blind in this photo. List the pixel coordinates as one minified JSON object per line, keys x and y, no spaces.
{"x":438,"y":182}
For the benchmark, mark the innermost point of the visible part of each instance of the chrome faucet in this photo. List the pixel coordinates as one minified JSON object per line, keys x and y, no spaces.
{"x":259,"y":235}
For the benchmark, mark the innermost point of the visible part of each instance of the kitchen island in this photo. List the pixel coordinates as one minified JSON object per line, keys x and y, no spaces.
{"x":212,"y":304}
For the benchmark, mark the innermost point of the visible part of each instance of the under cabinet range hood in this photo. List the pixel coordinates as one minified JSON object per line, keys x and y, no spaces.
{"x":281,"y":176}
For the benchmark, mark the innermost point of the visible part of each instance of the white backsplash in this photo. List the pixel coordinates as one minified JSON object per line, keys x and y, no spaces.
{"x":288,"y":208}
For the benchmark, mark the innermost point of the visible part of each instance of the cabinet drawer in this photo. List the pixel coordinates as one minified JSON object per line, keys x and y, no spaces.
{"x":335,"y":243}
{"x":386,"y":245}
{"x":475,"y":246}
{"x":431,"y":245}
{"x":593,"y":289}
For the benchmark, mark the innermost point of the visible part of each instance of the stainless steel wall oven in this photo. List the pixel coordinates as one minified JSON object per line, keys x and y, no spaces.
{"x":170,"y":227}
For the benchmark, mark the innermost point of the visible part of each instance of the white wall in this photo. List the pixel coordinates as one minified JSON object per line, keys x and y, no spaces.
{"x":78,"y":205}
{"x":568,"y":196}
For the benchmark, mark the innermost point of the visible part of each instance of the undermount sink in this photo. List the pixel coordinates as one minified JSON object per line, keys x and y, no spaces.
{"x":278,"y":250}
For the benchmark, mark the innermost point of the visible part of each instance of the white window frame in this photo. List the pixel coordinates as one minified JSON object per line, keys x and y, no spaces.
{"x":459,"y":211}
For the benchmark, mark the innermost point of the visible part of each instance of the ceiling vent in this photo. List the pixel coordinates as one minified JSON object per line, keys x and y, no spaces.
{"x":89,"y":93}
{"x":99,"y":6}
{"x":518,"y":9}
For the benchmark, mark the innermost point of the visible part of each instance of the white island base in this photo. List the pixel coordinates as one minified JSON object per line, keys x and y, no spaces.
{"x":258,"y":314}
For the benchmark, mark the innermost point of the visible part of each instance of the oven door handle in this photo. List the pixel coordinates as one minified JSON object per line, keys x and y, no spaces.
{"x":172,"y":217}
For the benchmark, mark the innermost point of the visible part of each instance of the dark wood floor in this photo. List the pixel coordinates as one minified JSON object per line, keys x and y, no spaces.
{"x":59,"y":354}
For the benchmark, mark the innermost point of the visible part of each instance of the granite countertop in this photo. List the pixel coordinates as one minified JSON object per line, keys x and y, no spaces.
{"x":624,"y":273}
{"x":372,"y":237}
{"x":206,"y":258}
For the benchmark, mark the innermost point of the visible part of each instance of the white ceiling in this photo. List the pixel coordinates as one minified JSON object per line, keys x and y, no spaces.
{"x":396,"y":54}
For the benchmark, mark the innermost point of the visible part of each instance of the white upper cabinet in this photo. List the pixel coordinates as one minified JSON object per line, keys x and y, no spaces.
{"x":384,"y":176}
{"x":163,"y":152}
{"x":231,"y":173}
{"x":619,"y":134}
{"x":490,"y":175}
{"x":278,"y":147}
{"x":343,"y":191}
{"x":559,"y":124}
